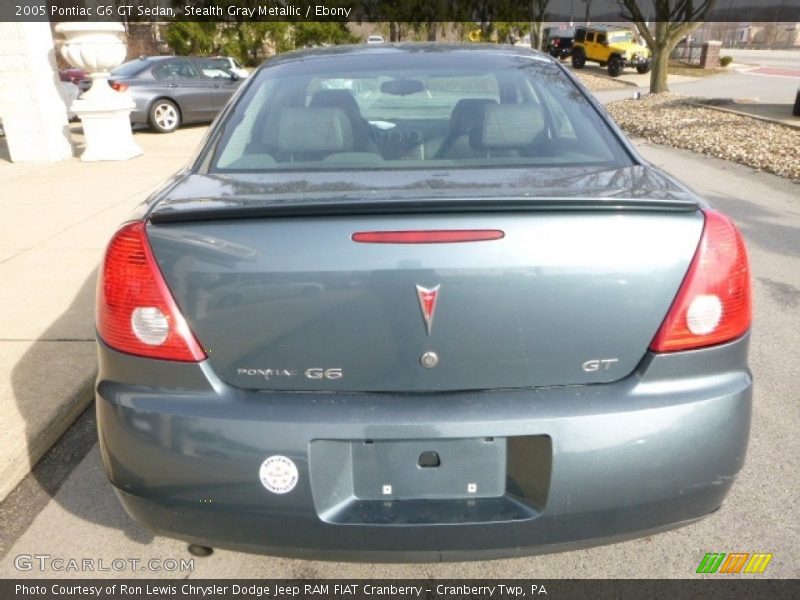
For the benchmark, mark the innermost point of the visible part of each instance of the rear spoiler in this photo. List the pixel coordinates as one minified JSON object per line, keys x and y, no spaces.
{"x":215,"y":209}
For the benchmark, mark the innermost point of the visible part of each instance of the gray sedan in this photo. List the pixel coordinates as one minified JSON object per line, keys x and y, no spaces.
{"x":173,"y":90}
{"x":421,"y":302}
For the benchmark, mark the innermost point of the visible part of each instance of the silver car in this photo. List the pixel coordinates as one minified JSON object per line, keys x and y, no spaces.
{"x":476,"y":322}
{"x":170,"y":91}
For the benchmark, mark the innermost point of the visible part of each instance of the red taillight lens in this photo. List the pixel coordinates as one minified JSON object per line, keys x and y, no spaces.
{"x":135,"y":309}
{"x":120,"y":87}
{"x":427,"y":236}
{"x":713,"y":305}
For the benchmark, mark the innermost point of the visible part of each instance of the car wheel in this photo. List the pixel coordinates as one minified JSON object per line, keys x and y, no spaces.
{"x":796,"y":111}
{"x":614,"y":66}
{"x":165,"y":117}
{"x":578,"y":58}
{"x":642,"y":69}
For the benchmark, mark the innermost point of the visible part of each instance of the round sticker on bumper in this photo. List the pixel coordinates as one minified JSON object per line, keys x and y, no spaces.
{"x":278,"y":474}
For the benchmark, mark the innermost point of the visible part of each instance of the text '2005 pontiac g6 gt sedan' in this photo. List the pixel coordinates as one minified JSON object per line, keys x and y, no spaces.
{"x":413,"y":302}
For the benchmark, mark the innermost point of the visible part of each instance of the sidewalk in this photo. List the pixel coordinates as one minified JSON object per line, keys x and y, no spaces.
{"x":56,"y":222}
{"x":642,"y":80}
{"x":629,"y":76}
{"x":627,"y":83}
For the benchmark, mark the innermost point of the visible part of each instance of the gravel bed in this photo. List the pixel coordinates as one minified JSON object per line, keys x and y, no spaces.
{"x":596,"y":83}
{"x":670,"y":119}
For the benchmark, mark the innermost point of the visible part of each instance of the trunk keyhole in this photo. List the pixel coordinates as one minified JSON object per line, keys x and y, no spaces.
{"x":428,"y":459}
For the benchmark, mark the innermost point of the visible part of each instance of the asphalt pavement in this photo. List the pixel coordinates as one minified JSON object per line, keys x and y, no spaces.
{"x":762,"y":83}
{"x":789,"y":59}
{"x":73,"y":514}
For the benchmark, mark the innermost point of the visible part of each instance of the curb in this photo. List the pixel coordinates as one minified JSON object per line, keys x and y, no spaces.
{"x":746,"y":114}
{"x":26,"y":456}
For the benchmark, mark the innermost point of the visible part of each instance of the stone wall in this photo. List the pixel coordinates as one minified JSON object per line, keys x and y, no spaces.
{"x":709,"y":58}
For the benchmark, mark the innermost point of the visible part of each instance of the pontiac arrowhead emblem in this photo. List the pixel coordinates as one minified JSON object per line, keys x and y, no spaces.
{"x":427,"y":302}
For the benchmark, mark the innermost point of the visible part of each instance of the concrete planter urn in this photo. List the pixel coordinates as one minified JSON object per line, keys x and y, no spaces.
{"x":97,"y":48}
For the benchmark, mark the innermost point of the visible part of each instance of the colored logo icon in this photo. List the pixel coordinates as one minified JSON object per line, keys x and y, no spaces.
{"x":734,"y":562}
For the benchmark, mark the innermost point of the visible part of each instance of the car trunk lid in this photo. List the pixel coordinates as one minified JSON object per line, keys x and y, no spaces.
{"x":282,"y":297}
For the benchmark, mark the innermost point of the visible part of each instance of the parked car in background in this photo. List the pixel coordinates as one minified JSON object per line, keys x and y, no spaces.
{"x":170,"y":91}
{"x":230,"y":64}
{"x":611,"y":46}
{"x":559,"y":41}
{"x":72,"y":75}
{"x":457,"y":317}
{"x":375,"y":39}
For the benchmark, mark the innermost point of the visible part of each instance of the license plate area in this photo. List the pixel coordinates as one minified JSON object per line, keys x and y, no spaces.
{"x":511,"y":477}
{"x":429,"y":469}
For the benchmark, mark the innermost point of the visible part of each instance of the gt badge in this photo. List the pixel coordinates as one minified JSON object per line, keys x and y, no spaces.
{"x":427,"y":302}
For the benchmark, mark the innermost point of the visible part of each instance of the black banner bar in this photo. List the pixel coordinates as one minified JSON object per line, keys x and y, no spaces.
{"x":770,"y":11}
{"x":709,"y":587}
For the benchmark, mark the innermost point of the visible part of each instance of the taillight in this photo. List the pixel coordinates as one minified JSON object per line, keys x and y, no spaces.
{"x":116,"y":85}
{"x":713,"y":304}
{"x":136,"y":313}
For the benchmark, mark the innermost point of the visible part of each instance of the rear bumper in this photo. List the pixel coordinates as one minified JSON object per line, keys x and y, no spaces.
{"x":139,"y":117}
{"x":585,"y":464}
{"x":139,"y":114}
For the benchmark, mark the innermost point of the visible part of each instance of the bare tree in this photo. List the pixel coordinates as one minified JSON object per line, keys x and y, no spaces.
{"x":538,"y":12}
{"x":588,"y":4}
{"x":674,"y":20}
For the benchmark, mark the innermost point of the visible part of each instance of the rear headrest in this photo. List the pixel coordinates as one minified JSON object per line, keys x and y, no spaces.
{"x":314,"y":130}
{"x":508,"y":127}
{"x":467,"y":113}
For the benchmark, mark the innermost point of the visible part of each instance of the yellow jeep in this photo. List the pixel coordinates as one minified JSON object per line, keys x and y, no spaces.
{"x":614,"y":47}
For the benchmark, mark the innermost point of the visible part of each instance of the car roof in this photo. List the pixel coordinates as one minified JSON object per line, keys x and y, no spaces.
{"x":409,"y":48}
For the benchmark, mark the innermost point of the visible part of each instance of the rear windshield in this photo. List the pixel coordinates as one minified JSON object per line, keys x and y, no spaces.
{"x":131,"y":68}
{"x":414,"y":110}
